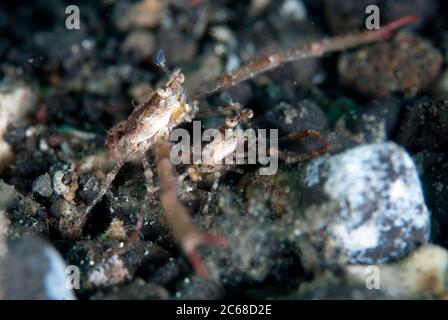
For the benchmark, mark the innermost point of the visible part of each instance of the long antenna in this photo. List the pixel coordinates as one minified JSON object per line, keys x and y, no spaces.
{"x":160,"y":62}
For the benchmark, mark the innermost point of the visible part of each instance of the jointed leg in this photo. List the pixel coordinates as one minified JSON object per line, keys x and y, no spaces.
{"x":291,"y":157}
{"x":177,"y":215}
{"x":215,"y":111}
{"x":77,"y":228}
{"x":150,"y":194}
{"x":211,"y":192}
{"x":149,"y":175}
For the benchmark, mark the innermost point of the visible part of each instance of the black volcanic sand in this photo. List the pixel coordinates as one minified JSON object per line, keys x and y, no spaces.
{"x":85,"y":81}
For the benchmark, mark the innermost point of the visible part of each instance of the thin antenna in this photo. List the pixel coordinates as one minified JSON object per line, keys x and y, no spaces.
{"x":235,"y":106}
{"x":225,"y":96}
{"x":160,"y":61}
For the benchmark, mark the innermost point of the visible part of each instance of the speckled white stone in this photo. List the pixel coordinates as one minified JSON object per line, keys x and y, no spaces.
{"x":380,"y":213}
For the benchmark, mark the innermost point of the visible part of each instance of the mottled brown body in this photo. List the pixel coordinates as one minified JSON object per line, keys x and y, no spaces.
{"x":152,"y":120}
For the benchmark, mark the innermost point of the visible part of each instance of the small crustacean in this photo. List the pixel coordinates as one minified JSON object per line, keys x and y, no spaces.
{"x":149,"y":125}
{"x":214,"y":167}
{"x":211,"y":170}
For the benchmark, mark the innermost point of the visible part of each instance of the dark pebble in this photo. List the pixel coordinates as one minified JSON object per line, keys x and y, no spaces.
{"x":375,"y":122}
{"x":406,"y":64}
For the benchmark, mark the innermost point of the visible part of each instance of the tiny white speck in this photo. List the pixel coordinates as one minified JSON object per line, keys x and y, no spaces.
{"x":29,"y":132}
{"x":87,"y":44}
{"x":294,"y":9}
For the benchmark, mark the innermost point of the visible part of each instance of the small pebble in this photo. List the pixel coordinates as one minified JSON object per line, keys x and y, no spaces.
{"x":15,"y":104}
{"x":64,"y":215}
{"x":303,"y":115}
{"x":42,"y":186}
{"x":422,"y":275}
{"x":64,"y":180}
{"x":406,"y":64}
{"x":376,"y":122}
{"x":139,"y":46}
{"x":33,"y":270}
{"x":143,"y":14}
{"x":293,"y":9}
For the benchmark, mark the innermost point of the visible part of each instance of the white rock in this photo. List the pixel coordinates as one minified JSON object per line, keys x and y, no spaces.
{"x":15,"y":104}
{"x":370,"y":203}
{"x":33,"y":269}
{"x":424,"y":274}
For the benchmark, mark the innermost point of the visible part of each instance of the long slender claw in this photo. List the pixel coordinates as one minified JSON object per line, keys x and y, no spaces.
{"x":75,"y":232}
{"x":389,"y":29}
{"x":315,"y":49}
{"x":196,"y":262}
{"x":177,"y":215}
{"x":193,"y":255}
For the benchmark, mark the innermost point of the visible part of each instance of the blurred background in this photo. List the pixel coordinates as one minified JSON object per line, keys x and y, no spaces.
{"x":61,"y":90}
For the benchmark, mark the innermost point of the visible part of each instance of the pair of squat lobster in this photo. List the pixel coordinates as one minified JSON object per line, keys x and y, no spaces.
{"x":150,"y":124}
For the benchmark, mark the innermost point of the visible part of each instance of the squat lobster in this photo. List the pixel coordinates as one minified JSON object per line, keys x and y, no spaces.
{"x":150,"y":124}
